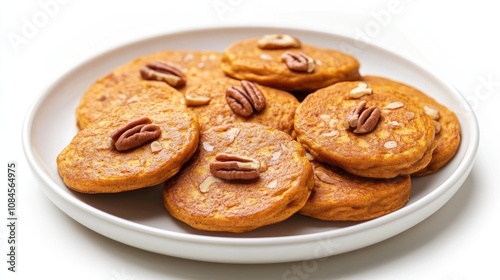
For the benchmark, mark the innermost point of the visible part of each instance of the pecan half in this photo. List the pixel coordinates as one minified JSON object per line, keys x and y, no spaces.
{"x":278,"y":41}
{"x":246,"y":99}
{"x":162,"y":71}
{"x":361,"y":119}
{"x":234,"y":167}
{"x":134,"y":134}
{"x":298,"y":62}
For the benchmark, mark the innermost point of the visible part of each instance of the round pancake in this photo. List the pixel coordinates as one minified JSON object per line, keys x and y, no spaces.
{"x":197,"y":66}
{"x":447,"y":137}
{"x":125,"y":84}
{"x":92,"y":164}
{"x":104,"y":96}
{"x":401,"y":143}
{"x":245,"y":60}
{"x":205,"y":202}
{"x":278,"y":112}
{"x":340,"y":196}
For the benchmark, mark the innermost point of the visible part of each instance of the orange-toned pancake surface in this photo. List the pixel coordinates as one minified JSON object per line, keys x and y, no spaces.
{"x":289,"y":66}
{"x":373,"y":131}
{"x":277,"y":112}
{"x":244,"y":176}
{"x":138,"y":146}
{"x":340,"y":196}
{"x":448,"y":127}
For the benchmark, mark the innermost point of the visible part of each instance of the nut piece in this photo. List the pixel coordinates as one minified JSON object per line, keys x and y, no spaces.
{"x":246,"y":99}
{"x":265,"y":56}
{"x":298,"y":62}
{"x":135,"y":134}
{"x":331,"y":133}
{"x":209,"y":181}
{"x":273,"y":184}
{"x":232,"y":133}
{"x":438,"y":127}
{"x":394,"y":105}
{"x":278,"y":41}
{"x":309,"y":156}
{"x":410,"y":115}
{"x":390,"y":144}
{"x":360,"y":90}
{"x":322,"y":176}
{"x":156,"y":146}
{"x":234,"y":167}
{"x":207,"y":146}
{"x":432,"y":112}
{"x":196,"y":100}
{"x":362,"y":119}
{"x":162,"y":71}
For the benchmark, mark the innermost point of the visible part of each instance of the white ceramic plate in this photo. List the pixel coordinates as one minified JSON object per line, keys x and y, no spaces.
{"x":138,"y":218}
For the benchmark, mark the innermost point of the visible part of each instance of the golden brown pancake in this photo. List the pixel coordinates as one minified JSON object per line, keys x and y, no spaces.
{"x":277,"y":113}
{"x":400,"y":143}
{"x":102,"y":98}
{"x":126,"y":83}
{"x":245,"y":60}
{"x":197,"y":66}
{"x":447,"y":135}
{"x":340,"y":196}
{"x":91,"y":163}
{"x":200,"y":198}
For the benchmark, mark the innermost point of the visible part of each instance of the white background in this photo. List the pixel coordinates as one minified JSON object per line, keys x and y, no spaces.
{"x":457,"y":40}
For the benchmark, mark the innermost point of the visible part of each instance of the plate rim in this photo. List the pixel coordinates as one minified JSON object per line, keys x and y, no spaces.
{"x":459,"y":174}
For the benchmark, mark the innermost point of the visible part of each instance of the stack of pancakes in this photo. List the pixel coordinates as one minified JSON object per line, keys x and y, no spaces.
{"x":328,"y":143}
